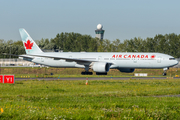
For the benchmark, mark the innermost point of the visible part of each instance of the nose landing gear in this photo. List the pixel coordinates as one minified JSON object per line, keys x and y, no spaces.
{"x":165,"y":70}
{"x":164,"y":74}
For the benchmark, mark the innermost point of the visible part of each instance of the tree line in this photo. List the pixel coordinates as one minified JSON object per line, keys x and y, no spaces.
{"x":75,"y":42}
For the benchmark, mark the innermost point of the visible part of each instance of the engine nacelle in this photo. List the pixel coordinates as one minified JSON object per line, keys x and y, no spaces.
{"x":101,"y":67}
{"x":126,"y":70}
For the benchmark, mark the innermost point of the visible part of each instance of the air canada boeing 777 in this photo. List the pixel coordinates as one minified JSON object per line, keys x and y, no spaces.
{"x":100,"y":62}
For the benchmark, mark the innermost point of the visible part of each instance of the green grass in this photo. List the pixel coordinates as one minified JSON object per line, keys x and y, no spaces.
{"x":111,"y":99}
{"x":76,"y":72}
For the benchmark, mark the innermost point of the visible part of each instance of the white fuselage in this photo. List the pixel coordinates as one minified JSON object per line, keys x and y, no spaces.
{"x":119,"y":59}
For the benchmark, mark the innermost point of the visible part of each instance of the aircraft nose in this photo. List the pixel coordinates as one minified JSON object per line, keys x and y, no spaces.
{"x":176,"y":62}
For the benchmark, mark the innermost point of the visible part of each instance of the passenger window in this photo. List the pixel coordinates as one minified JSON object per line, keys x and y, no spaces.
{"x":171,"y":58}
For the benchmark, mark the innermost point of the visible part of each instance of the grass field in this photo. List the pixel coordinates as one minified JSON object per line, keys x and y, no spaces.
{"x":76,"y":72}
{"x":111,"y":99}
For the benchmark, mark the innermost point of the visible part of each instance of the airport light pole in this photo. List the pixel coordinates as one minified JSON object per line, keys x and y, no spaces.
{"x":10,"y":54}
{"x":10,"y":51}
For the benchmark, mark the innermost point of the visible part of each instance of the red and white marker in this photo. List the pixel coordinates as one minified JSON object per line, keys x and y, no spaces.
{"x":1,"y":78}
{"x":86,"y":81}
{"x":9,"y":79}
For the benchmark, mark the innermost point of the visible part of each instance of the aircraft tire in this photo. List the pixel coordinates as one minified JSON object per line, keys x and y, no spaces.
{"x":86,"y":73}
{"x":164,"y":74}
{"x":97,"y":73}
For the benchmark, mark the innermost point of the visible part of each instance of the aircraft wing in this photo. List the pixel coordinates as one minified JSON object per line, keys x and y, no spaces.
{"x":56,"y":58}
{"x":80,"y":60}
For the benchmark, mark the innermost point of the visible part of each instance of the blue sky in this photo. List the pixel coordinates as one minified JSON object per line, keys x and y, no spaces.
{"x":121,"y":19}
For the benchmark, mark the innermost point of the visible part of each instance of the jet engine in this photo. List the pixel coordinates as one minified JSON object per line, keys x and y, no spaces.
{"x":101,"y":67}
{"x":126,"y":70}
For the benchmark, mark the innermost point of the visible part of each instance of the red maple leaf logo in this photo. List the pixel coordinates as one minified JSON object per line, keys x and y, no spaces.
{"x":153,"y":56}
{"x":28,"y":44}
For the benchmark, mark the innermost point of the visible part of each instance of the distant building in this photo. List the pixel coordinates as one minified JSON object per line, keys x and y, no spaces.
{"x":99,"y":31}
{"x":15,"y":63}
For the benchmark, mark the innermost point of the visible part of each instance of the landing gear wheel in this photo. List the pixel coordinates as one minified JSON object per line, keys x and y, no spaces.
{"x":86,"y":73}
{"x":165,"y":70}
{"x":97,"y":73}
{"x":164,"y":74}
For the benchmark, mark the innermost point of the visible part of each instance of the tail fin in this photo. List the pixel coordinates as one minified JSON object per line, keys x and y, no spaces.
{"x":29,"y":44}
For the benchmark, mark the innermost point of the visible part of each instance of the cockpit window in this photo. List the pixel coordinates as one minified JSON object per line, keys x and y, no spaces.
{"x":171,"y":58}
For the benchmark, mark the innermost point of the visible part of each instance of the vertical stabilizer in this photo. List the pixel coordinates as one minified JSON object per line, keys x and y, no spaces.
{"x":29,"y":44}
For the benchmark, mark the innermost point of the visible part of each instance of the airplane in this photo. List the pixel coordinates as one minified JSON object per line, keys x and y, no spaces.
{"x":99,"y":62}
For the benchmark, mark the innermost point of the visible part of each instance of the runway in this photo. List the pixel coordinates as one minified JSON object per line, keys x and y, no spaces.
{"x":96,"y":78}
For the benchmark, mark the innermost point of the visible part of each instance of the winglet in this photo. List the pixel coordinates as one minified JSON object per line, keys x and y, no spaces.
{"x":30,"y":46}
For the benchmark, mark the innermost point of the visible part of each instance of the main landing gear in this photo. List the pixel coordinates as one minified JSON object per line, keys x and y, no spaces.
{"x":165,"y":70}
{"x":91,"y":73}
{"x":86,"y":71}
{"x":97,"y":73}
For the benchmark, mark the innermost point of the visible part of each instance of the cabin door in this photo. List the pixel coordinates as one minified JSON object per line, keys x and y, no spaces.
{"x":159,"y":59}
{"x":42,"y":59}
{"x":99,"y":58}
{"x":135,"y":60}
